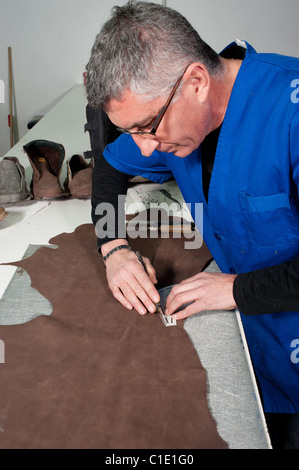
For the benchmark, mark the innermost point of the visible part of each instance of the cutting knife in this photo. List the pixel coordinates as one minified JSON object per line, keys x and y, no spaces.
{"x":167,"y":320}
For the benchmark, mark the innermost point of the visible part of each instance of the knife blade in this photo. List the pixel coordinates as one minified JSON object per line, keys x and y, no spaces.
{"x":167,"y":320}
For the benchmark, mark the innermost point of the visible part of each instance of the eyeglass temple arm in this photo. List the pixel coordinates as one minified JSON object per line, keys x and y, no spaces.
{"x":163,"y":110}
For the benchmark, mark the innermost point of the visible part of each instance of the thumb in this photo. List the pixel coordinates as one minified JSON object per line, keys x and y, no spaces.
{"x":150,"y":270}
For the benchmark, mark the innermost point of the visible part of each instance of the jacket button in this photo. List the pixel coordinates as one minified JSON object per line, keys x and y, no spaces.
{"x":232,"y":270}
{"x":218,"y":236}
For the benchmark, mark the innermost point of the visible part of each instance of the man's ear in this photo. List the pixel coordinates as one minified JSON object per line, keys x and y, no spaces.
{"x":199,"y":78}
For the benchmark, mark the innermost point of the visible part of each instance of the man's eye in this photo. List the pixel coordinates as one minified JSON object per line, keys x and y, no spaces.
{"x":147,"y":126}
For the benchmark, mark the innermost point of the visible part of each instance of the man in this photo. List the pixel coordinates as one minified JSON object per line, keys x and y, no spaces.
{"x":226,"y":127}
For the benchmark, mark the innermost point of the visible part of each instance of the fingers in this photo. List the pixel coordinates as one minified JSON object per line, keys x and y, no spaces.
{"x":150,"y":270}
{"x":131,"y":285}
{"x":137,"y":292}
{"x":186,"y":310}
{"x":204,"y":291}
{"x":183,"y":301}
{"x":180,"y":294}
{"x":121,"y":298}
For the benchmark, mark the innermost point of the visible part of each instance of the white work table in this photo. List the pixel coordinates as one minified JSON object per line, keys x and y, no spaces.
{"x":233,"y":396}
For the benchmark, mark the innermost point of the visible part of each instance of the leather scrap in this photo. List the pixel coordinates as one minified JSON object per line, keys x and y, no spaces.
{"x":95,"y":375}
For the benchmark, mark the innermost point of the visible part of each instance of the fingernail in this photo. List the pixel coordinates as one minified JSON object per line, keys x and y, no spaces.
{"x":156,"y":298}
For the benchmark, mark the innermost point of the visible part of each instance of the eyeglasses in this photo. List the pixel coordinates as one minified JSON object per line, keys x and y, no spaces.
{"x":159,"y":117}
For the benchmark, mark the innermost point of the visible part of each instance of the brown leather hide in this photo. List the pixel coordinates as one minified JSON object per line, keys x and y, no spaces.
{"x":95,"y":375}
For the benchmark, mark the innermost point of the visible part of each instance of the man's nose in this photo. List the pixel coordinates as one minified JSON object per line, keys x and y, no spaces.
{"x":146,"y":144}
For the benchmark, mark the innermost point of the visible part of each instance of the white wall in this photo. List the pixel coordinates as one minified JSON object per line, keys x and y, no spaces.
{"x":51,"y":42}
{"x":268,"y":25}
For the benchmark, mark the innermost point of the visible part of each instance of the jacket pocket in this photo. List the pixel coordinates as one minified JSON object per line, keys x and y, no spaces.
{"x":270,"y":220}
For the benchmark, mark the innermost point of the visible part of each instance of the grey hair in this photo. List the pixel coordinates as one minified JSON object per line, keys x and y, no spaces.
{"x":143,"y":47}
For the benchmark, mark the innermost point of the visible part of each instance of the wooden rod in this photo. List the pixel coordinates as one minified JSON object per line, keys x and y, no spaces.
{"x":11,"y":123}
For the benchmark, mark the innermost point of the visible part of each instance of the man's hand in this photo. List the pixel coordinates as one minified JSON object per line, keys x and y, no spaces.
{"x":129,"y":283}
{"x":204,"y":291}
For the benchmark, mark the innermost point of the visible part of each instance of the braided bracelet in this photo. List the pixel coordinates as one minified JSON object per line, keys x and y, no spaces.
{"x":119,"y":247}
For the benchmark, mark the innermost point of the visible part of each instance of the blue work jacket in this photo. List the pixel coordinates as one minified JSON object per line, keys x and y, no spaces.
{"x":252,"y":216}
